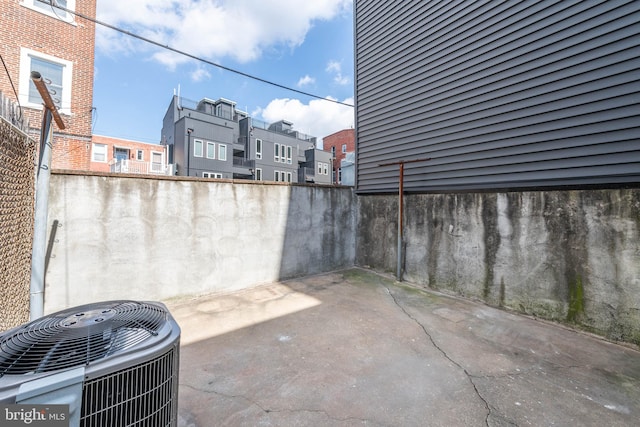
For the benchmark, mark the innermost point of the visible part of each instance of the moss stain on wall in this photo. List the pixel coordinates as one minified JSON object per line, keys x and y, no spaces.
{"x":576,"y":299}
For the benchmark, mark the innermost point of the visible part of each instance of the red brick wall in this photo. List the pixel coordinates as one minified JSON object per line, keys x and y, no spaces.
{"x":345,"y":136}
{"x":133,"y":146}
{"x":21,"y":27}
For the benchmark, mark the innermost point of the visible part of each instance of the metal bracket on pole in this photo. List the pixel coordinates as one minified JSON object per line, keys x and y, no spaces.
{"x":401,"y":163}
{"x":38,"y":255}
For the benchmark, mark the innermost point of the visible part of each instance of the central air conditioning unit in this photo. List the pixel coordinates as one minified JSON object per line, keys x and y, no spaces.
{"x":114,"y":363}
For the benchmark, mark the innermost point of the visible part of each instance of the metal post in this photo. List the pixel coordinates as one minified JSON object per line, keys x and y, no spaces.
{"x":189,"y":132}
{"x":38,"y":256}
{"x":400,"y":209}
{"x":36,"y":301}
{"x":400,"y":204}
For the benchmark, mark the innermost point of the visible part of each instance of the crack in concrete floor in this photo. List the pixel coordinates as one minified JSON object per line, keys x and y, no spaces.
{"x":444,"y":353}
{"x":277,"y":411}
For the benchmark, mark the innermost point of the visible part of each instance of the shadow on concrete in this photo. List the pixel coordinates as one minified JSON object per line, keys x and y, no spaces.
{"x":356,"y":348}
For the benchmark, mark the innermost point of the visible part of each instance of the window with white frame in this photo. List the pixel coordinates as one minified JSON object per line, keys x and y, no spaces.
{"x":319,"y":168}
{"x":289,"y":154}
{"x":211,"y":175}
{"x":276,"y":176}
{"x":258,"y":174}
{"x":140,"y":155}
{"x":211,"y":150}
{"x":344,"y":148}
{"x":56,"y":73}
{"x":99,"y":153}
{"x":276,"y":153}
{"x":157,"y":160}
{"x":325,"y":168}
{"x":289,"y":176}
{"x":283,"y":154}
{"x":258,"y":149}
{"x":197,"y":147}
{"x":333,"y":151}
{"x":48,"y":7}
{"x":339,"y":175}
{"x":222,"y":152}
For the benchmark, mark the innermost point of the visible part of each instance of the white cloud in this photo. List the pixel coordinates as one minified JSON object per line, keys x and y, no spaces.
{"x":317,"y":118}
{"x":306,"y":80}
{"x":341,"y":80}
{"x":238,"y":29}
{"x":335,"y":67}
{"x":200,"y":74}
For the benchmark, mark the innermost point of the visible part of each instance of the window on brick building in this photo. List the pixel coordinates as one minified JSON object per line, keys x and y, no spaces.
{"x":46,"y":7}
{"x":344,"y":148}
{"x":333,"y":151}
{"x":56,"y":73}
{"x":99,"y":153}
{"x":140,"y":155}
{"x":157,"y":161}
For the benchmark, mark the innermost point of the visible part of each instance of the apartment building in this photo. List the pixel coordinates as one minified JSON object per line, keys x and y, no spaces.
{"x":214,"y":139}
{"x":39,"y":37}
{"x":339,"y":144}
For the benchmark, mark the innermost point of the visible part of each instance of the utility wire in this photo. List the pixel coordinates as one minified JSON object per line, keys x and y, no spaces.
{"x":189,"y":55}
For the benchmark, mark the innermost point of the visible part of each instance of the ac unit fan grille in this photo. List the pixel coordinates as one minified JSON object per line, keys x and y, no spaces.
{"x":143,"y":395}
{"x":78,"y":336}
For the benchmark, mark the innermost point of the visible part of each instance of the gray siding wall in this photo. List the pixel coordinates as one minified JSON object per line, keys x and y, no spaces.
{"x":499,"y":94}
{"x":268,"y":163}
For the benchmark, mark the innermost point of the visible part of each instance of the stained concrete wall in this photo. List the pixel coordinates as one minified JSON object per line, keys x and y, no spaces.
{"x":569,"y":256}
{"x":153,"y":239}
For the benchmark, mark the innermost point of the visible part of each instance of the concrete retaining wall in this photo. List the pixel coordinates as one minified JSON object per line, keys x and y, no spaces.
{"x":570,"y":256}
{"x":153,"y":239}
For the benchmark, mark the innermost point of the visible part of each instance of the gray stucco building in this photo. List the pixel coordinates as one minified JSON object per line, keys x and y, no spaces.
{"x":213,"y":139}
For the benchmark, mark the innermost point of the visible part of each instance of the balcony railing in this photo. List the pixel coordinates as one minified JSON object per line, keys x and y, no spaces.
{"x":243,"y":163}
{"x":306,"y":174}
{"x":259,"y":124}
{"x":138,"y":167}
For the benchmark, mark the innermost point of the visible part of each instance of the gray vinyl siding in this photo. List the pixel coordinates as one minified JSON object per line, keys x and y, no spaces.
{"x":500,"y":95}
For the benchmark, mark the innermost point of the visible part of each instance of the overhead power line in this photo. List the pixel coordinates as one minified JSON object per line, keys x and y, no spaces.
{"x":189,"y":55}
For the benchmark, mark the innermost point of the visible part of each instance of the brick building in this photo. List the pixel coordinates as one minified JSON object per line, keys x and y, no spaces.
{"x":37,"y":37}
{"x":339,"y":144}
{"x":110,"y":154}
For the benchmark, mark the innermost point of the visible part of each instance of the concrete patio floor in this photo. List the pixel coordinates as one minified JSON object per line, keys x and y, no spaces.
{"x":355,"y":348}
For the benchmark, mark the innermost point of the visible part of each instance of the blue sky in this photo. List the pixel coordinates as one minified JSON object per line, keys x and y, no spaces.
{"x":304,"y":45}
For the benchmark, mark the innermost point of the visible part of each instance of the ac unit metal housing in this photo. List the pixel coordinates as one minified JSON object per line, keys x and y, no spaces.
{"x":117,"y":360}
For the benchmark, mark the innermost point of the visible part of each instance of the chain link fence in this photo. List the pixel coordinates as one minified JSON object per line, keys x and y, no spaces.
{"x":17,"y":204}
